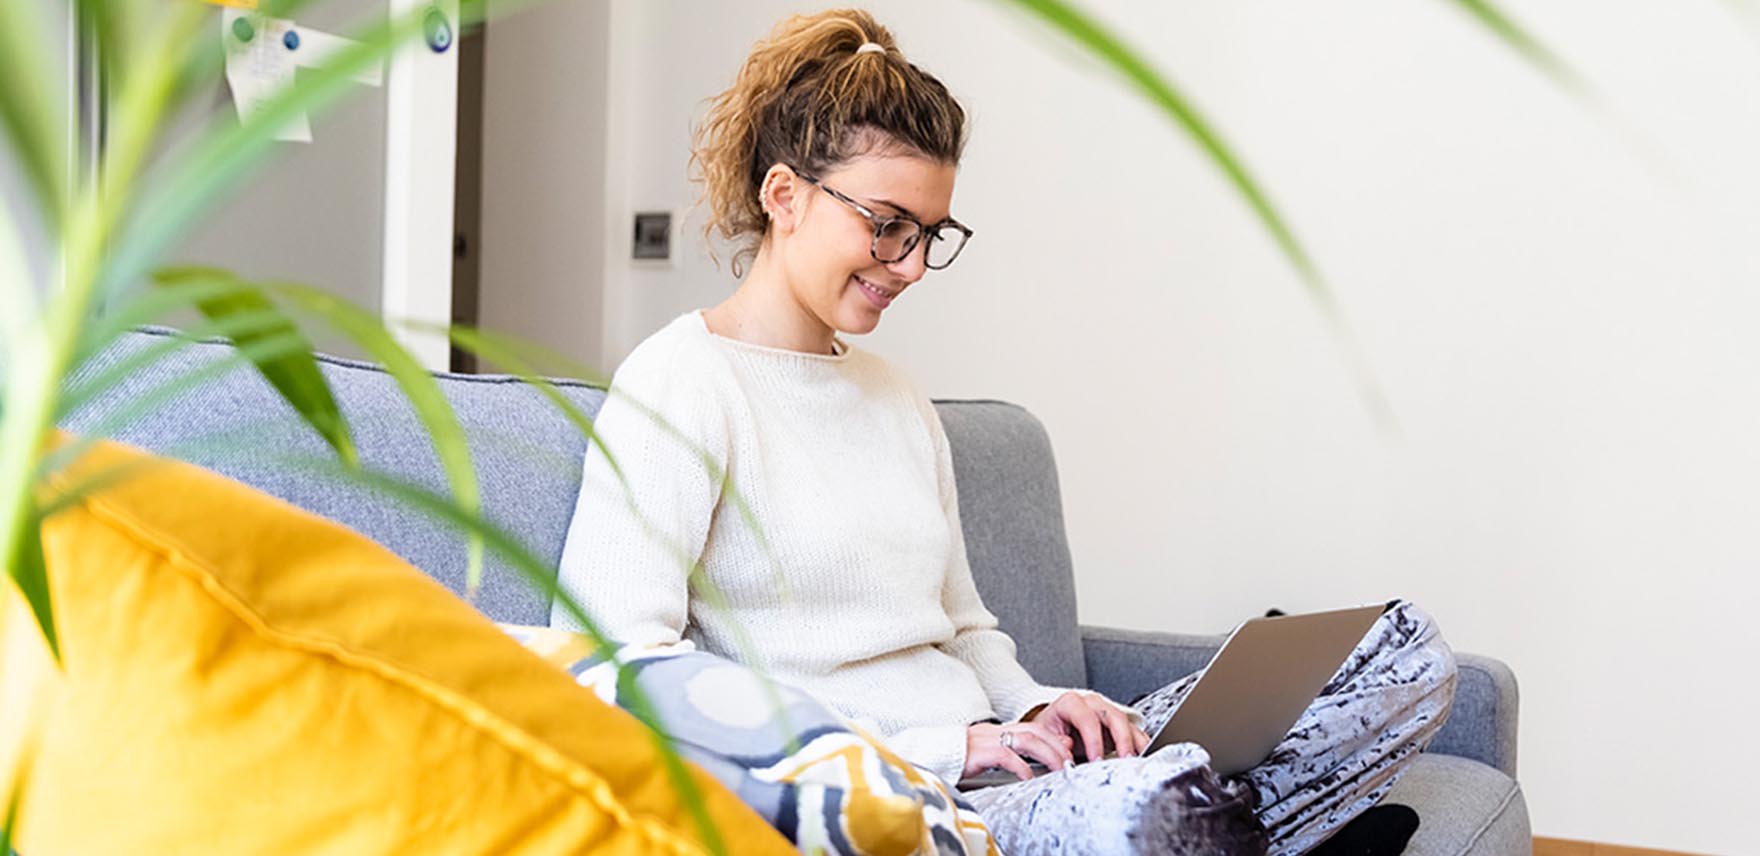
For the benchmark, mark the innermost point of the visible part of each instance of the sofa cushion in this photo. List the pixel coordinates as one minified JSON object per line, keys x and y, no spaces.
{"x":240,"y":676}
{"x":821,"y":781}
{"x":1465,"y":808}
{"x":527,"y":455}
{"x":1011,"y":511}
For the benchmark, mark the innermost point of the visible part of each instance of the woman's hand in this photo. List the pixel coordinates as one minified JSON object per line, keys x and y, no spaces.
{"x":1094,"y":718}
{"x":1007,"y":746}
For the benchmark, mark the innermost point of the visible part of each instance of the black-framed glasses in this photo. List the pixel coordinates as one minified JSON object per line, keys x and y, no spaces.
{"x":896,"y":237}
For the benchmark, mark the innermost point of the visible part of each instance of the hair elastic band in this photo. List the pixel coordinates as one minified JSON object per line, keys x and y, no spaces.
{"x":871,"y":47}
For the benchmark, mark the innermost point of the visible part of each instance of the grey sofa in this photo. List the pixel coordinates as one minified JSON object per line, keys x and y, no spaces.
{"x":528,"y":459}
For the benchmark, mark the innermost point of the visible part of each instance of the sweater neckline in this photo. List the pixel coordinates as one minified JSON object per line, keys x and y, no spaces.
{"x":836,"y":342}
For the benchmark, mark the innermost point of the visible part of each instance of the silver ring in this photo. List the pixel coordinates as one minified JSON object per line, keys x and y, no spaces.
{"x":1006,"y":738}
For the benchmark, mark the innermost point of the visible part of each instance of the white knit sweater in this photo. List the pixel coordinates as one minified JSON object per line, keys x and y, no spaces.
{"x":863,"y":598}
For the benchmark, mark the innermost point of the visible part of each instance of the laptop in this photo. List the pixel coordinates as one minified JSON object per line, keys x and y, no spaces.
{"x":1253,"y":691}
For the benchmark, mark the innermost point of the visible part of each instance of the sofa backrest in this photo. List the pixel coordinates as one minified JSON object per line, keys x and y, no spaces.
{"x":528,"y":457}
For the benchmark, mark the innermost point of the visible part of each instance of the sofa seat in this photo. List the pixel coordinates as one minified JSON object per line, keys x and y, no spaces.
{"x":1465,"y":808}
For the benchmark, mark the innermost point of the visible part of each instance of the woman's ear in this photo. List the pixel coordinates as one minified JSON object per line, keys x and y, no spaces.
{"x":780,"y":197}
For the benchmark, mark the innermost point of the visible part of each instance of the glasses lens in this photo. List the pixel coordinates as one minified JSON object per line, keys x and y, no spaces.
{"x":895,"y":239}
{"x":944,"y":244}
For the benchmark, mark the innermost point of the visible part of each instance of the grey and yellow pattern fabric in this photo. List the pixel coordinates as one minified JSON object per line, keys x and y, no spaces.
{"x":819,"y":779}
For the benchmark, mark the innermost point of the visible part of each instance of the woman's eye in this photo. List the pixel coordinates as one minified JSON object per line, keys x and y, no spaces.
{"x":898,"y":230}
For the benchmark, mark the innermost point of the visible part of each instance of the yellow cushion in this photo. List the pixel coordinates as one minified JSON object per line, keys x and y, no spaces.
{"x":244,"y":677}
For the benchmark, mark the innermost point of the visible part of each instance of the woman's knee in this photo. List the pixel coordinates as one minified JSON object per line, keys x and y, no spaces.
{"x":1415,"y":640}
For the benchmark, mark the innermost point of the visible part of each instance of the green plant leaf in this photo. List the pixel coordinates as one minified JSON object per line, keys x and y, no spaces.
{"x":134,"y":119}
{"x":1516,"y":38}
{"x":77,"y":396}
{"x":198,"y":175}
{"x":1085,"y":31}
{"x":18,"y":297}
{"x":34,"y":119}
{"x":103,"y":23}
{"x":519,"y":357}
{"x":537,"y":573}
{"x":203,"y":62}
{"x":166,"y":392}
{"x":295,"y":375}
{"x":41,"y":354}
{"x":10,"y":826}
{"x":498,"y":350}
{"x":116,"y":30}
{"x":65,"y":496}
{"x":148,"y":307}
{"x":423,"y":392}
{"x":542,"y":576}
{"x":31,"y":574}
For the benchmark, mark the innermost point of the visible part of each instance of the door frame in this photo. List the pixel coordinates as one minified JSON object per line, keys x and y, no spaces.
{"x":420,"y":148}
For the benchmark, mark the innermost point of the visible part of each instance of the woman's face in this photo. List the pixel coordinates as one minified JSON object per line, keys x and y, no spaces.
{"x":828,"y":260}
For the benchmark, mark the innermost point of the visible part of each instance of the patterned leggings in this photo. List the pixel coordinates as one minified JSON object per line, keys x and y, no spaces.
{"x":1373,"y":717}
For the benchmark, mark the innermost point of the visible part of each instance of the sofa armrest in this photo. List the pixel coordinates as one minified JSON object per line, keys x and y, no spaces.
{"x":1124,"y":664}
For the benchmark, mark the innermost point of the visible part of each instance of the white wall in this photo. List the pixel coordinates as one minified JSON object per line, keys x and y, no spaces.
{"x":312,"y":212}
{"x":1562,"y":313}
{"x":544,"y":175}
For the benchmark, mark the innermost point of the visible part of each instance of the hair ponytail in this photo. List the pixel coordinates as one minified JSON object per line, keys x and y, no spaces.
{"x":809,"y":96}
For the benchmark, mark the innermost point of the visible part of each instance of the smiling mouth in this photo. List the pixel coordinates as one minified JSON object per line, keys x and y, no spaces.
{"x":877,"y":290}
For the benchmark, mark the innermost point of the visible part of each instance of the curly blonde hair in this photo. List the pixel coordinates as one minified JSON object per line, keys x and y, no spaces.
{"x":807,"y":98}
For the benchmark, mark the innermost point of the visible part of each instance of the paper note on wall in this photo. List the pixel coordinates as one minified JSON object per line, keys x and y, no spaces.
{"x":261,"y":54}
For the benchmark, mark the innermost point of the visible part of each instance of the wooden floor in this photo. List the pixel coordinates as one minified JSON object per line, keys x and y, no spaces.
{"x":1566,"y":847}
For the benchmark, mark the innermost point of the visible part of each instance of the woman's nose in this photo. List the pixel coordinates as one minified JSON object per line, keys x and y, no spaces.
{"x":914,"y":264}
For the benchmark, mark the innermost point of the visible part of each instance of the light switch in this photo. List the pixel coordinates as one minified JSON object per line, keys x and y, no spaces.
{"x":653,"y":235}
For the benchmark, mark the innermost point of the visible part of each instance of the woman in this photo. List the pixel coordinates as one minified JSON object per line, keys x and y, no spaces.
{"x":831,"y":164}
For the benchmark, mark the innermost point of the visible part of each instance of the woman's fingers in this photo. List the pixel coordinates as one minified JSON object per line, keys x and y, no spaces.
{"x":1110,"y":719}
{"x":1092,"y":718}
{"x":1045,"y":734}
{"x":1042,"y":746}
{"x":1074,"y":709}
{"x":1010,"y":760}
{"x":1060,"y":739}
{"x":985,"y":749}
{"x":1124,"y":738}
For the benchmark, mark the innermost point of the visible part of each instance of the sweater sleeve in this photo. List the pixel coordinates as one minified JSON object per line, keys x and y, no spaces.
{"x":940,"y":749}
{"x":977,"y":642}
{"x":649,"y":487}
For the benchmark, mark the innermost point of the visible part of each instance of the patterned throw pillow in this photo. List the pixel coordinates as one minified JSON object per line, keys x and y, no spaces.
{"x":819,"y":779}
